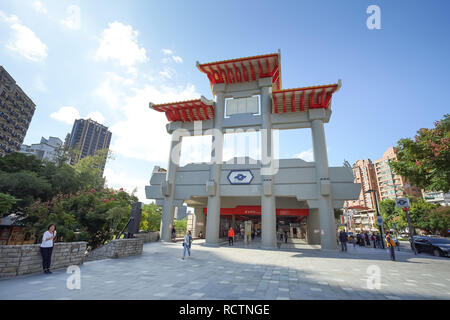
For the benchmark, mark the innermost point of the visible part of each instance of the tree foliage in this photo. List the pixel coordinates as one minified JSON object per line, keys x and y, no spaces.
{"x":430,"y":217}
{"x":151,"y":217}
{"x":425,"y":162}
{"x":6,"y":203}
{"x":92,"y":216}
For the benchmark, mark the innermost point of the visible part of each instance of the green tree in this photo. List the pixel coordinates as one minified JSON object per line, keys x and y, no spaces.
{"x":25,"y":185}
{"x":6,"y":203}
{"x":90,"y":169}
{"x":419,"y":212}
{"x":425,"y":162}
{"x":439,"y":220}
{"x":181,"y":226}
{"x":15,"y":162}
{"x":117,"y":217}
{"x":88,"y":215}
{"x":154,"y":214}
{"x":391,"y":215}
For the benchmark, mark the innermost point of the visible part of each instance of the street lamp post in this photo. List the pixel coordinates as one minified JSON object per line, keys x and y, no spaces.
{"x":378,"y":213}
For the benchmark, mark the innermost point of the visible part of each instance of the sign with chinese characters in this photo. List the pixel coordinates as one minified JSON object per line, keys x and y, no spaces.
{"x":240,"y":177}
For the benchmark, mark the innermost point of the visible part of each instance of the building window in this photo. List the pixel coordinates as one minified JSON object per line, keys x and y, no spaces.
{"x":242,"y":105}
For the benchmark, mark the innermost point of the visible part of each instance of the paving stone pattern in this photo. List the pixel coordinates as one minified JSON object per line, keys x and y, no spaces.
{"x":244,"y":272}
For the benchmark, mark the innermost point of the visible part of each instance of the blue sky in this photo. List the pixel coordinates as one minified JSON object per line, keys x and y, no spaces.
{"x":107,"y":59}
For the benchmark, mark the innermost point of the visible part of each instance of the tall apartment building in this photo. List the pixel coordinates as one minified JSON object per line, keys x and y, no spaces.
{"x":87,"y":137}
{"x":364,"y":173}
{"x":46,"y":150}
{"x":391,"y":185}
{"x":16,"y":112}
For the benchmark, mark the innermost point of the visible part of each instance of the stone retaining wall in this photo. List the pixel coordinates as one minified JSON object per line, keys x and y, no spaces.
{"x":25,"y":259}
{"x":151,"y":236}
{"x":117,"y":249}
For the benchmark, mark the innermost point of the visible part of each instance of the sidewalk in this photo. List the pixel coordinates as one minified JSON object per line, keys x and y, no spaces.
{"x":244,"y":272}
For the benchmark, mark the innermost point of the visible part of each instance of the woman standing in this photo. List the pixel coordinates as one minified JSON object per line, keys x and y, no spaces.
{"x":187,"y":244}
{"x":47,"y":247}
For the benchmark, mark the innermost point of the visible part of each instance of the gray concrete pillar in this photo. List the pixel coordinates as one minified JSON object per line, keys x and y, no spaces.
{"x":200,"y":220}
{"x":213,"y":185}
{"x":168,"y":209}
{"x":313,"y":227}
{"x":326,"y":212}
{"x":268,"y":210}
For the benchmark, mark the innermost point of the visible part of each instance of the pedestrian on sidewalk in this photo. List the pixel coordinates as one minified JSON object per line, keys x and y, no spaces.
{"x":343,"y":239}
{"x":230,"y":236}
{"x":48,"y":240}
{"x":390,"y":244}
{"x":378,"y":239}
{"x":373,"y":240}
{"x":366,"y":237}
{"x":174,"y":233}
{"x":187,"y":244}
{"x":285,"y":236}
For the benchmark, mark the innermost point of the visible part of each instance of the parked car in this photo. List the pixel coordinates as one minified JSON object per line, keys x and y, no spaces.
{"x":439,"y":247}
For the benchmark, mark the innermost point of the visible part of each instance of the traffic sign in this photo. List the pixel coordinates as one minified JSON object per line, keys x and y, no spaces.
{"x":379,"y":220}
{"x":402,"y":203}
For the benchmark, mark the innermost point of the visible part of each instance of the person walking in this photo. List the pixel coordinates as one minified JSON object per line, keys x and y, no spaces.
{"x":343,"y":239}
{"x":366,"y":237}
{"x":372,"y":238}
{"x":187,"y":244}
{"x":230,"y":236}
{"x":378,"y":239}
{"x":390,"y":244}
{"x":48,"y":240}
{"x":174,"y":233}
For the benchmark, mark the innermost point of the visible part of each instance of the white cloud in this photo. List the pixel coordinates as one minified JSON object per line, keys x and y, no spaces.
{"x":24,"y":41}
{"x":73,"y":21}
{"x":119,"y":42}
{"x":39,"y":7}
{"x":142,"y":134}
{"x":40,"y":85}
{"x":9,"y":19}
{"x":195,"y":149}
{"x":96,"y":116}
{"x":307,"y":155}
{"x":69,"y":114}
{"x":167,"y":51}
{"x":123,"y":180}
{"x":177,"y":59}
{"x":111,"y":89}
{"x":167,"y":73}
{"x":66,"y":114}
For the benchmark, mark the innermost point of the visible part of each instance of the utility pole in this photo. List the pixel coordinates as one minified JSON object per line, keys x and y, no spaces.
{"x":378,"y":213}
{"x":404,"y":204}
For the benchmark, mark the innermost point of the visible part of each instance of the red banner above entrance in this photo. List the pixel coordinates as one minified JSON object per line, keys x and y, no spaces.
{"x":256,"y":211}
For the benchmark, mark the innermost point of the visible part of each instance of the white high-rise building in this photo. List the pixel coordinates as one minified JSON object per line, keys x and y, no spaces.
{"x":46,"y":150}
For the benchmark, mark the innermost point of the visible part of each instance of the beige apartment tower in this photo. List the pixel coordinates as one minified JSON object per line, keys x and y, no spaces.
{"x":364,"y":173}
{"x":391,"y":185}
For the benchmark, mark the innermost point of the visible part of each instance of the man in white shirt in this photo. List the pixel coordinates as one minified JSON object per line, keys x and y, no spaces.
{"x":47,"y":247}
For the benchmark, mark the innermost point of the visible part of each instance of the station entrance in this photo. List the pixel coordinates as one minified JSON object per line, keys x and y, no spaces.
{"x":290,"y":223}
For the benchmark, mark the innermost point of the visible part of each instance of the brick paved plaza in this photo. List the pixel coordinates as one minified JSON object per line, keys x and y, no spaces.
{"x":294,"y":271}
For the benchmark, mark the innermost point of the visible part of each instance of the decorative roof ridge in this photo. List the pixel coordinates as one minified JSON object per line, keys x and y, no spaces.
{"x":201,"y":99}
{"x":338,"y":84}
{"x":198,"y":64}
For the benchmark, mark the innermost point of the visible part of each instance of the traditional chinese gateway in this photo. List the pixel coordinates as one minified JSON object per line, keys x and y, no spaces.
{"x":275,"y":194}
